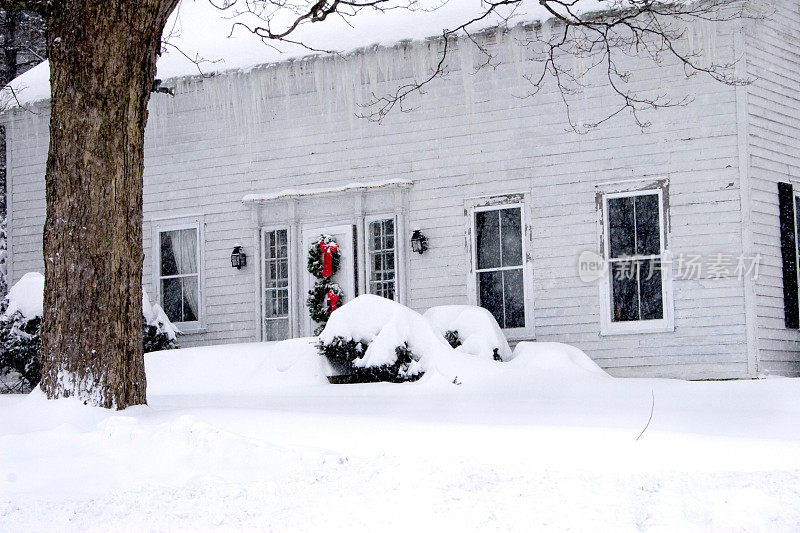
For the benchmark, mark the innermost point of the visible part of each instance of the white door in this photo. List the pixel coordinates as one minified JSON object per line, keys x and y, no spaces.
{"x":345,"y":276}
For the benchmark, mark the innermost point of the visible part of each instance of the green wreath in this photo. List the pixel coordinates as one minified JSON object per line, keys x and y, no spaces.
{"x":318,"y":306}
{"x":315,"y":257}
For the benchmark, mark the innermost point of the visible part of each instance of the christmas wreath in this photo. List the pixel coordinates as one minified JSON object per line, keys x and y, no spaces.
{"x":325,"y":296}
{"x":323,"y":257}
{"x":323,"y":299}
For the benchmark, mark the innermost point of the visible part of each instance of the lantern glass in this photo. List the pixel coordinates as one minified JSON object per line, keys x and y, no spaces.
{"x":238,"y":258}
{"x":419,"y":243}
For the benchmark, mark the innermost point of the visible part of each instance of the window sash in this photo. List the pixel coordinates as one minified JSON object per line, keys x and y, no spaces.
{"x":503,"y":269}
{"x":381,"y":281}
{"x":638,"y":260}
{"x":195,"y":274}
{"x":276,"y":292}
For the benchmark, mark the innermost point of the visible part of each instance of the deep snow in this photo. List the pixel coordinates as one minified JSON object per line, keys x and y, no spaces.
{"x":252,"y":436}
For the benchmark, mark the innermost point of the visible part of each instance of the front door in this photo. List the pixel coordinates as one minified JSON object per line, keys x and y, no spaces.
{"x":345,"y":276}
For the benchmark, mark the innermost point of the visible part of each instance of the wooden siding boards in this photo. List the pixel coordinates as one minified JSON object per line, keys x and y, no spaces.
{"x":773,"y":125}
{"x":294,"y":125}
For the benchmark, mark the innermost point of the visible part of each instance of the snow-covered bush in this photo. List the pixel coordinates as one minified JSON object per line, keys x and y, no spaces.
{"x":20,"y":329}
{"x":470,"y":329}
{"x":21,"y":321}
{"x":158,"y":333}
{"x":380,"y":339}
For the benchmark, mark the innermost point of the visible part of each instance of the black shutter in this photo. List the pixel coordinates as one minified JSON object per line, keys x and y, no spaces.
{"x":789,"y":254}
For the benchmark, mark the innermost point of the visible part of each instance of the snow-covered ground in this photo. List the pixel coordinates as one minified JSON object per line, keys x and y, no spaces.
{"x":252,"y":436}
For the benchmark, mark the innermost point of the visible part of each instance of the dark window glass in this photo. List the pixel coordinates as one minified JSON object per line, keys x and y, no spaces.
{"x":490,"y":294}
{"x":652,"y":307}
{"x":169,"y":266}
{"x":511,"y":231}
{"x":487,"y":239}
{"x":648,"y":232}
{"x":636,"y":290}
{"x":172,"y":295}
{"x":514,"y":299}
{"x":622,"y":232}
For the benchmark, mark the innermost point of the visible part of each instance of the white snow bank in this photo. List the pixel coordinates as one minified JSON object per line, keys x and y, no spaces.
{"x":384,"y":325}
{"x":477,"y":329}
{"x":27,"y":296}
{"x":555,"y":359}
{"x":235,"y":369}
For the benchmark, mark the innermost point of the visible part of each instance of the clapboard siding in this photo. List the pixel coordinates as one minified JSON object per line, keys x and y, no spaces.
{"x":773,"y":61}
{"x":294,"y":125}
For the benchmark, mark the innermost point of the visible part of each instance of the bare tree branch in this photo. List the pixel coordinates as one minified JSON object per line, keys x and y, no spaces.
{"x":649,"y":28}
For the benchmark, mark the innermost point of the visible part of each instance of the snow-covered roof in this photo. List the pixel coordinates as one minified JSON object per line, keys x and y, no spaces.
{"x":298,"y":193}
{"x":200,"y":31}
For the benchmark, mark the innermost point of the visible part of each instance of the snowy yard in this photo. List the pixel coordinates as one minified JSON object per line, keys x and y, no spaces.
{"x":252,"y":436}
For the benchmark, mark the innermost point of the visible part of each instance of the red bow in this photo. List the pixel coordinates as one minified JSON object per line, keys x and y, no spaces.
{"x":332,"y":301}
{"x":327,"y":258}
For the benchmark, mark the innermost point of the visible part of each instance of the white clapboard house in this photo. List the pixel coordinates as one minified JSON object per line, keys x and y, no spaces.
{"x":555,"y":232}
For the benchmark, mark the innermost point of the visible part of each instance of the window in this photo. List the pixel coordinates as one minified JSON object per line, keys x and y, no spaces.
{"x":636,"y":283}
{"x":179,"y":274}
{"x":381,"y":258}
{"x":498,"y":258}
{"x":276,"y":285}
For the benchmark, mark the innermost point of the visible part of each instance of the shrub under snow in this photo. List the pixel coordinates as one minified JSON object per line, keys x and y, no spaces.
{"x":20,"y":329}
{"x":381,"y":339}
{"x":470,"y":329}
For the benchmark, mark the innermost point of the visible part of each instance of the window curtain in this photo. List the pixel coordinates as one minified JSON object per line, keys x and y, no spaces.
{"x":186,"y":261}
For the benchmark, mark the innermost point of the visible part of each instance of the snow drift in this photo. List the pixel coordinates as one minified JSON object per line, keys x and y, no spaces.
{"x":477,"y":329}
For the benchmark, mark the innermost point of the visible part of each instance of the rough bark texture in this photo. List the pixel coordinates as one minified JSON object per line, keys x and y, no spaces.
{"x":102,"y":64}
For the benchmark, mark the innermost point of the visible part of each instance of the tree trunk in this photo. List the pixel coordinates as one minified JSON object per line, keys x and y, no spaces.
{"x":102,"y":64}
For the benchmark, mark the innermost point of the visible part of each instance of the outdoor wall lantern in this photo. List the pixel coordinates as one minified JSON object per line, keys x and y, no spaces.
{"x":419,"y":242}
{"x":238,"y":257}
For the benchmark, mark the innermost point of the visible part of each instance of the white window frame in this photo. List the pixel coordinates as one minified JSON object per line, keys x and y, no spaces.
{"x":182,"y":223}
{"x":497,"y":203}
{"x":263,"y":266}
{"x":667,"y":322}
{"x":368,"y":263}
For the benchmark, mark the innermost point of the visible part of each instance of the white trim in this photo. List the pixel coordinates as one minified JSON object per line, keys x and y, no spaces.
{"x":263,"y":277}
{"x":368,"y":263}
{"x":665,"y":324}
{"x":197,"y":223}
{"x":496,"y":203}
{"x":350,"y":187}
{"x":10,"y":209}
{"x":750,"y":300}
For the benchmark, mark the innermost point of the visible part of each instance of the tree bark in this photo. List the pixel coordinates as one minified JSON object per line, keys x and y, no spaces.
{"x":102,"y":64}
